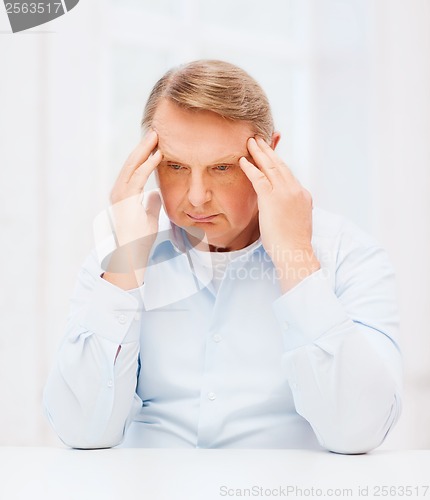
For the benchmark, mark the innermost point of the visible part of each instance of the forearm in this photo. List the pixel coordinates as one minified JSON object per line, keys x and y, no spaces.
{"x":90,"y":392}
{"x":344,"y":390}
{"x":344,"y":374}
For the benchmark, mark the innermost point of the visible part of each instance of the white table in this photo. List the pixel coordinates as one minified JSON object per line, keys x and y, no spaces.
{"x":155,"y":474}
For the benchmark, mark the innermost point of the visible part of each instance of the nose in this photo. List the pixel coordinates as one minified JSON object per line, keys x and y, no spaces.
{"x":199,"y":191}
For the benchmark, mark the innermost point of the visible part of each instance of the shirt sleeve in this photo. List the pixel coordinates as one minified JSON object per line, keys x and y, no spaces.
{"x":341,"y":355}
{"x":90,"y":393}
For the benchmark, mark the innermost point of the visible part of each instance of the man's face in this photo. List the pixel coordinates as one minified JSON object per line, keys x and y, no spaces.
{"x":201,"y":182}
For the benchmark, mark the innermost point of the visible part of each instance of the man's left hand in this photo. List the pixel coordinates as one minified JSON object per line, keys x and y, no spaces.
{"x":285,"y":214}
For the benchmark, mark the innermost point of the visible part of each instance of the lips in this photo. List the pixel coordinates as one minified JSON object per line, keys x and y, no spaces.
{"x":201,"y":218}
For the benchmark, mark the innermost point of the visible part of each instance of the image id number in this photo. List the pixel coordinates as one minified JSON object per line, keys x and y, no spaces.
{"x":33,"y":8}
{"x":401,"y":491}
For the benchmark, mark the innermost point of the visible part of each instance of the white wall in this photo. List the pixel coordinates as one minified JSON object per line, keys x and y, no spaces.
{"x":349,"y":82}
{"x":400,"y":129}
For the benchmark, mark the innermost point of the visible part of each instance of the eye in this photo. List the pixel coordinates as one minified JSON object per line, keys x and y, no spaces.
{"x":222,"y":168}
{"x":174,"y":166}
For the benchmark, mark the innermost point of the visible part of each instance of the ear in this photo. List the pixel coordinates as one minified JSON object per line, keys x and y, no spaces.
{"x":276,"y":137}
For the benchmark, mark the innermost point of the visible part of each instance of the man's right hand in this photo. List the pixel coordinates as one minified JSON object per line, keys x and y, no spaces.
{"x":135,"y":225}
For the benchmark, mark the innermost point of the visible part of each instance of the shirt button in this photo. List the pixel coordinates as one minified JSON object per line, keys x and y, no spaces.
{"x":122,"y":319}
{"x":110,"y":383}
{"x":211,"y":396}
{"x":217,"y":338}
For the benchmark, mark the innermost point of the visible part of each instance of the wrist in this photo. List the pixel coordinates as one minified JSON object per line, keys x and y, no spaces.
{"x":294,"y":265}
{"x":125,"y":268}
{"x":125,"y":281}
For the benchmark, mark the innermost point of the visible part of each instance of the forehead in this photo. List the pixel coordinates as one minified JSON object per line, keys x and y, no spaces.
{"x":199,"y":135}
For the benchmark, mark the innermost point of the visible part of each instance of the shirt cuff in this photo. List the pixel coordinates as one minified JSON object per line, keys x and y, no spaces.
{"x":113,"y":313}
{"x":308,"y":311}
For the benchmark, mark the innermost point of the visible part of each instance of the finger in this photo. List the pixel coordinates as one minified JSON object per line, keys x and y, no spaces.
{"x":138,"y":156}
{"x":266,"y":148}
{"x":258,"y":179}
{"x":276,"y":161}
{"x":153,"y":204}
{"x":140,"y":176}
{"x":263,"y":161}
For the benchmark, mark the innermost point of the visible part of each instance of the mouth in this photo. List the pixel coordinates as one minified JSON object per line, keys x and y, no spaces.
{"x":201,"y":218}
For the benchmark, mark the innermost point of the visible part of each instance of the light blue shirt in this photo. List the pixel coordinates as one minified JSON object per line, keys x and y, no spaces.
{"x":187,"y":360}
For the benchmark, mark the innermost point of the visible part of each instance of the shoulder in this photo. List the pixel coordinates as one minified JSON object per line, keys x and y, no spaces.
{"x":339,"y":243}
{"x":331,"y":226}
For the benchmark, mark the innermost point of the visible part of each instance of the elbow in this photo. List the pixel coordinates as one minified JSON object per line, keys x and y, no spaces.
{"x":77,"y":430}
{"x":80,"y":441}
{"x":361,"y":434}
{"x":81,"y":444}
{"x":352,"y":445}
{"x":79,"y":438}
{"x":352,"y":441}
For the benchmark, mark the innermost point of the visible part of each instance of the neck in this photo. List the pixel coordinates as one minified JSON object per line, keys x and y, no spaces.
{"x":200,"y":242}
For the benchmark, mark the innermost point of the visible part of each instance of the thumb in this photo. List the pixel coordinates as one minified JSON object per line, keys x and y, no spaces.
{"x":153,"y":204}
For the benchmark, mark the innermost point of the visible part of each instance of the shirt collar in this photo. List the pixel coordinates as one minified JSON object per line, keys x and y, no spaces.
{"x":169,"y":232}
